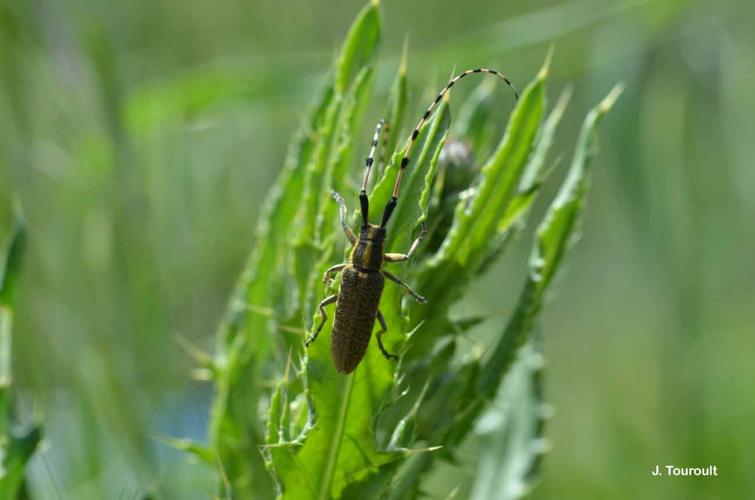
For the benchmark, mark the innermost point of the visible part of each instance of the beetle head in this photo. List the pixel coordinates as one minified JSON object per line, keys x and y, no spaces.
{"x":372,"y":232}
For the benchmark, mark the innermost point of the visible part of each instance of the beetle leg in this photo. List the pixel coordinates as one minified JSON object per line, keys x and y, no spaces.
{"x":403,"y":284}
{"x":342,"y":212}
{"x":331,"y":270}
{"x":326,"y":301}
{"x":384,"y":327}
{"x":398,"y":257}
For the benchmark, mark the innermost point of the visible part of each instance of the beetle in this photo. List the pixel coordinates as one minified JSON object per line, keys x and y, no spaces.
{"x":363,"y":277}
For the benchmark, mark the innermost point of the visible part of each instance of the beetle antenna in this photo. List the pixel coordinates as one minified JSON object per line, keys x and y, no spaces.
{"x":363,"y":201}
{"x":413,"y":138}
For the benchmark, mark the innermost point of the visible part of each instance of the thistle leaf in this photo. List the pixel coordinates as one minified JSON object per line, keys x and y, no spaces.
{"x":249,"y":340}
{"x":554,"y":234}
{"x":512,"y":430}
{"x":377,"y":431}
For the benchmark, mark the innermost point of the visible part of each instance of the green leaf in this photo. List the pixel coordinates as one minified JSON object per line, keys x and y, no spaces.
{"x":455,"y":403}
{"x":11,"y":263}
{"x":553,"y":236}
{"x":235,"y":426}
{"x":351,"y":85}
{"x":501,"y":174}
{"x":560,"y":222}
{"x":475,"y":115}
{"x":415,"y":186}
{"x":17,"y":451}
{"x":512,"y":432}
{"x":532,"y":178}
{"x":397,"y":101}
{"x":451,"y":392}
{"x":477,"y":217}
{"x":334,"y":177}
{"x":193,"y":448}
{"x":376,"y":432}
{"x":360,"y":46}
{"x":17,"y":445}
{"x":246,"y":346}
{"x":341,"y":447}
{"x":278,"y":275}
{"x":10,"y":266}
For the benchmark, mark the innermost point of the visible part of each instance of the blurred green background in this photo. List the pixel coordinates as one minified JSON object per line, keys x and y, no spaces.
{"x":141,"y":138}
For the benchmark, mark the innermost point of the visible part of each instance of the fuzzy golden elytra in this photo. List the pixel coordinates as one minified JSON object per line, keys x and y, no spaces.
{"x":363,"y":277}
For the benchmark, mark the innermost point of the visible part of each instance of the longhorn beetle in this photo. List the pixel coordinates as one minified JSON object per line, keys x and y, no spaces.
{"x":363,"y":277}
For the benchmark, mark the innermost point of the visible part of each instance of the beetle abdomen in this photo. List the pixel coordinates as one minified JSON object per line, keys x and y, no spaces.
{"x":356,"y":310}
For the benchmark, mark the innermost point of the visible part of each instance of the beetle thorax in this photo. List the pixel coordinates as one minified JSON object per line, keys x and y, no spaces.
{"x":367,"y":254}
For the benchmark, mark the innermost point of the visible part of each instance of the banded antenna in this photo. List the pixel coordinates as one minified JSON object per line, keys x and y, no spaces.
{"x":415,"y":133}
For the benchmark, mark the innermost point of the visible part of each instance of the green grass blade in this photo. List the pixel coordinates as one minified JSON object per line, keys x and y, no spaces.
{"x":16,"y":445}
{"x":9,"y":268}
{"x":11,"y":264}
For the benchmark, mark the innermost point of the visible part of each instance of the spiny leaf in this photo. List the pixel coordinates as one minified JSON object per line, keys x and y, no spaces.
{"x":474,"y":121}
{"x":532,"y":178}
{"x":554,"y":234}
{"x":476,"y":219}
{"x":444,"y":278}
{"x":369,"y":433}
{"x":334,"y":178}
{"x":235,"y":428}
{"x":500,"y":177}
{"x":360,"y":46}
{"x":351,"y":85}
{"x":512,"y":430}
{"x":409,"y":213}
{"x":397,"y":100}
{"x":412,"y":206}
{"x":341,"y":447}
{"x":456,"y":402}
{"x":247,"y":348}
